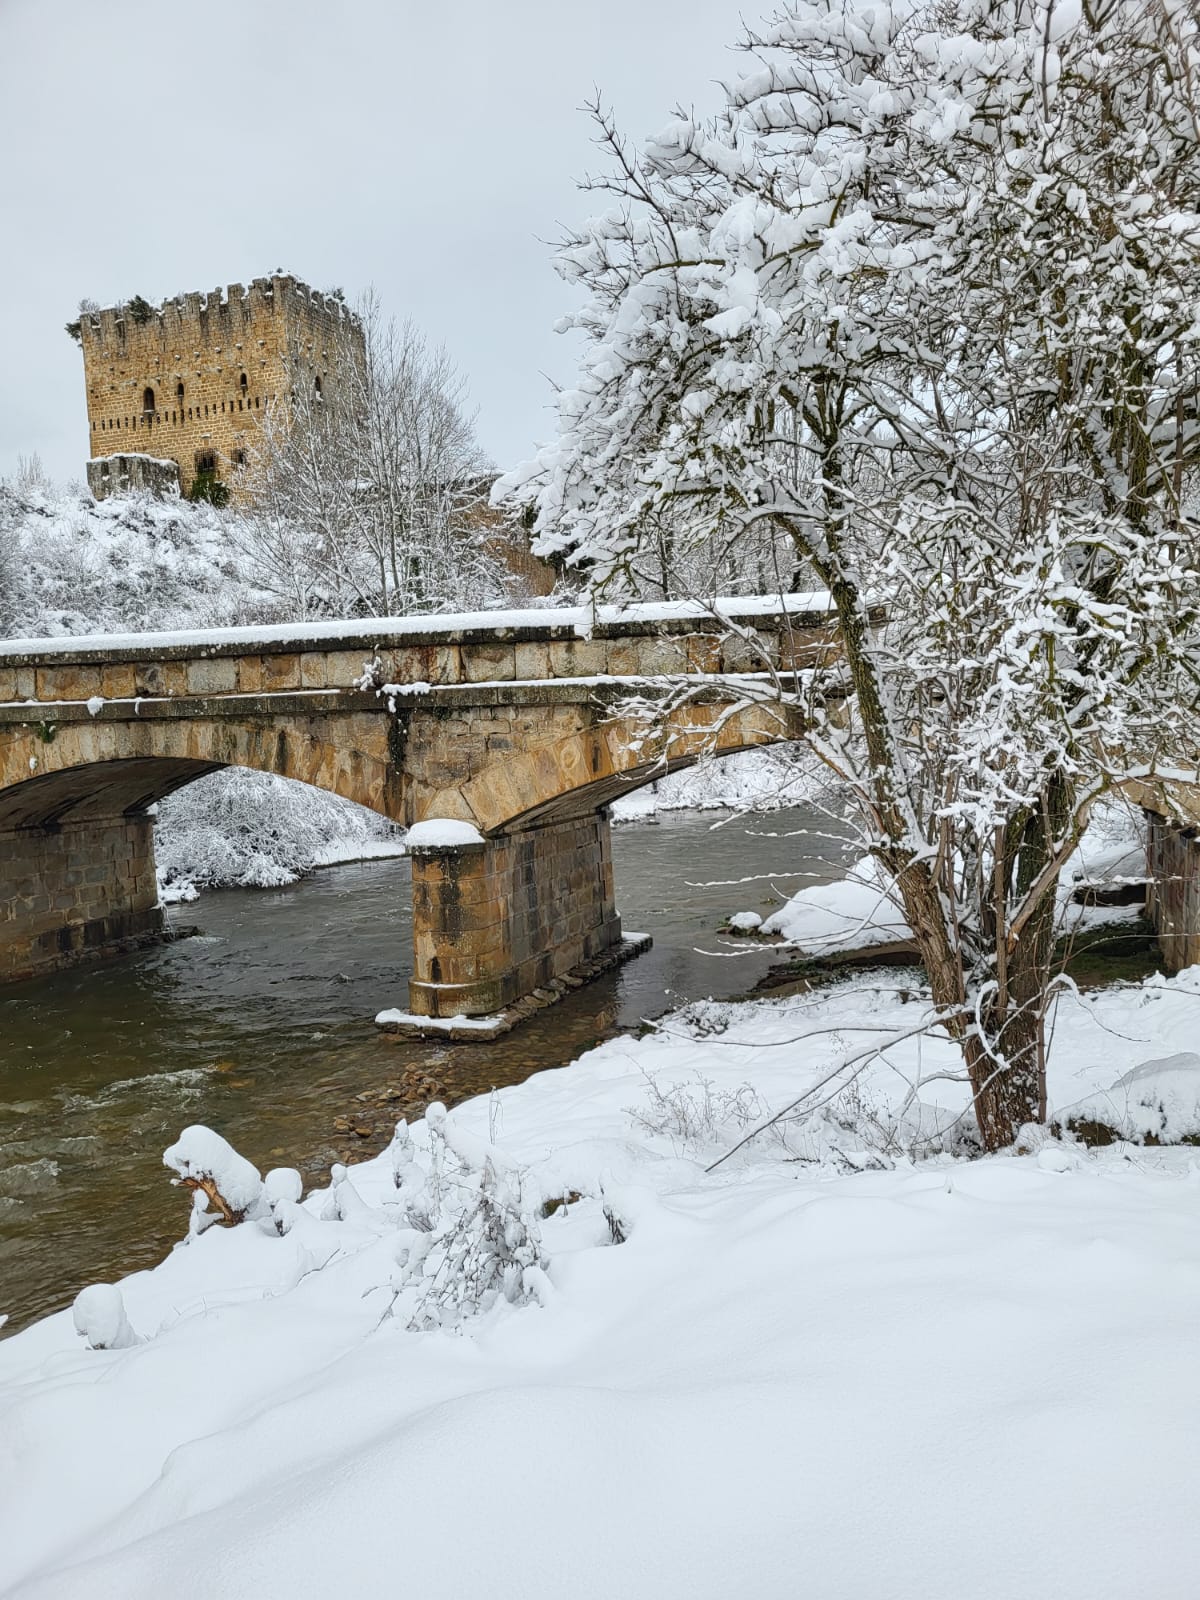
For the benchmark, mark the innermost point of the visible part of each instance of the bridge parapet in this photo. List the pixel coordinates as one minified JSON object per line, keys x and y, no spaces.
{"x":483,"y":647}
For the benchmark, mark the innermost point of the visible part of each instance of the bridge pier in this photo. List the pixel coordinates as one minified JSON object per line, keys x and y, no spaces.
{"x":75,"y":889}
{"x":495,"y":921}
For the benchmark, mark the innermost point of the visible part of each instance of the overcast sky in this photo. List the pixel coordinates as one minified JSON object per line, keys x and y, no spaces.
{"x":426,"y":149}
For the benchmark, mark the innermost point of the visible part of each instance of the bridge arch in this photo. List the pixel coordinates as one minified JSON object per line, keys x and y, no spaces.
{"x":586,"y":769}
{"x":532,"y":904}
{"x":529,"y":907}
{"x":77,"y":868}
{"x":76,"y":771}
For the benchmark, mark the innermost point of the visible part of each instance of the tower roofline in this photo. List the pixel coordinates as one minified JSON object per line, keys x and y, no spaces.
{"x":280,"y":290}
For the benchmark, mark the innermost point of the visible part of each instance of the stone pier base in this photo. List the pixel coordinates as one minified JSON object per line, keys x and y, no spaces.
{"x":497,"y":921}
{"x":75,"y":890}
{"x":478,"y":1030}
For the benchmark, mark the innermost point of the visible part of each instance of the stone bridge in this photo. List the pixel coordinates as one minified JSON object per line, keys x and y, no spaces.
{"x":515,"y":723}
{"x":510,"y":722}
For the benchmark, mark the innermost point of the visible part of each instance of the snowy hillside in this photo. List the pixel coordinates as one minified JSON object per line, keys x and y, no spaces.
{"x":72,"y":565}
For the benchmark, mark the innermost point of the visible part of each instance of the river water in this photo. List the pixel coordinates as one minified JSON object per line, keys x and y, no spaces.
{"x":261,"y":1027}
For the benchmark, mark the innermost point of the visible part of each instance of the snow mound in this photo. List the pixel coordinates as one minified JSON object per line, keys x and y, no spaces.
{"x":99,"y":1315}
{"x":1157,"y":1102}
{"x":200,"y":1155}
{"x":850,"y":914}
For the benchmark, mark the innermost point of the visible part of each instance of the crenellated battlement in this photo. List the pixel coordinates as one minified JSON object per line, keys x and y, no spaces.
{"x":192,"y":378}
{"x":227,"y":307}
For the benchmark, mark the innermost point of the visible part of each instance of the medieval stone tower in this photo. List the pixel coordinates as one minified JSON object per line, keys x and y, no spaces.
{"x":188,"y":382}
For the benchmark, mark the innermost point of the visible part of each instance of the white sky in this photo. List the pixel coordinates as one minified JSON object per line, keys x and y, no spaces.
{"x":152,"y":148}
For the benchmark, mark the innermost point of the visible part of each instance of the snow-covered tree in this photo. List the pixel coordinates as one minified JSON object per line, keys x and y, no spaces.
{"x":372,"y":500}
{"x":923,"y":301}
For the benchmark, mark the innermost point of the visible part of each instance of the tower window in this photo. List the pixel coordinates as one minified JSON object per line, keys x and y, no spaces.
{"x":318,"y":386}
{"x":148,"y":402}
{"x":179,"y":391}
{"x":244,"y":382}
{"x":206,"y":461}
{"x":239,"y":458}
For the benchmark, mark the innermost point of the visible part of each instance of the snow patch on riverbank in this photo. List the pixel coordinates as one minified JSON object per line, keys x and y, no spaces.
{"x":862,"y":909}
{"x":826,"y":1322}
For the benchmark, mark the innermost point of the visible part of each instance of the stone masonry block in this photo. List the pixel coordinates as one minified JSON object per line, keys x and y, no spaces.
{"x":578,"y":658}
{"x":212,"y":675}
{"x":68,"y":683}
{"x":489,"y":663}
{"x":280,"y":673}
{"x":118,"y":681}
{"x":532,"y":662}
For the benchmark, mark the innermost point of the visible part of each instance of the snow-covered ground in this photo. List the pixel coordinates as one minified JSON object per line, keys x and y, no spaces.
{"x":838,"y":1364}
{"x":861,"y":909}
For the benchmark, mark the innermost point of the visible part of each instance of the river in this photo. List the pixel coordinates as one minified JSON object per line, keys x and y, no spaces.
{"x":261,"y":1027}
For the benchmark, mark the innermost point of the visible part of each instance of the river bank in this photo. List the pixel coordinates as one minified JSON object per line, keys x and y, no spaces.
{"x":263,"y":1026}
{"x":734,"y":1368}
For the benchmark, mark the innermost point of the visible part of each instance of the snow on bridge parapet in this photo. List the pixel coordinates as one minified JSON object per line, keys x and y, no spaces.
{"x":738,"y":635}
{"x":663,"y":617}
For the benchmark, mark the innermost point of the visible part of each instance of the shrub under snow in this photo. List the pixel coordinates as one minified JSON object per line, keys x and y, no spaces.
{"x":254,"y":830}
{"x":462,"y":1223}
{"x":71,"y":565}
{"x":1156,"y":1102}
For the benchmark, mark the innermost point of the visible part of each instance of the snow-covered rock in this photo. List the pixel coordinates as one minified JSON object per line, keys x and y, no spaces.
{"x":857,"y":911}
{"x":99,"y":1315}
